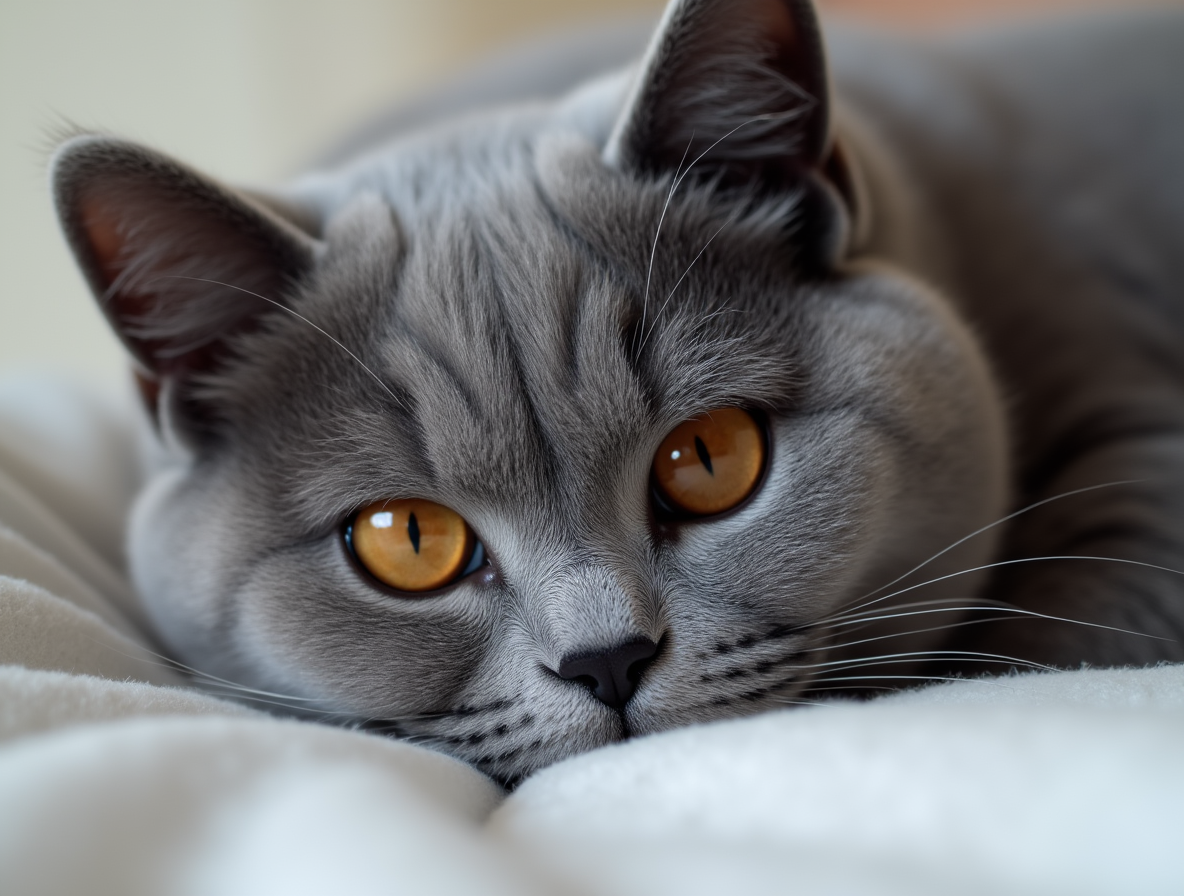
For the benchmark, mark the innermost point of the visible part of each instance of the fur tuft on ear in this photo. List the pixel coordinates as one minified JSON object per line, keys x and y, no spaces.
{"x":176,"y":261}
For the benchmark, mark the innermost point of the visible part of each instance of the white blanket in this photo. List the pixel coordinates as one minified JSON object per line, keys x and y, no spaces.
{"x":115,"y":778}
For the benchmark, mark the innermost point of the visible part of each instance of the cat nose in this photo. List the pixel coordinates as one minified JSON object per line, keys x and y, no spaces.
{"x":611,"y":675}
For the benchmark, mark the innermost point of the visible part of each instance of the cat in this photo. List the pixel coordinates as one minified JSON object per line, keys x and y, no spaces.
{"x":733,"y":380}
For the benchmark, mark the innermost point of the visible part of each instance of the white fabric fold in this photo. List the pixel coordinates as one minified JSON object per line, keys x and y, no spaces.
{"x":116,"y":778}
{"x":1029,"y":786}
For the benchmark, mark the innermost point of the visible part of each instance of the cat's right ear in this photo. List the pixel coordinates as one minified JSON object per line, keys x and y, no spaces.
{"x":737,"y":92}
{"x":177,"y":262}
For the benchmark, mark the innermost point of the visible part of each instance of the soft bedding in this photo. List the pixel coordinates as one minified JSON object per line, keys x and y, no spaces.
{"x":117,"y":777}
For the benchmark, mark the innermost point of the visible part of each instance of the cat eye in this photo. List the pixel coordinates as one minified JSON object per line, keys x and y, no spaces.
{"x":414,"y":545}
{"x":711,"y":463}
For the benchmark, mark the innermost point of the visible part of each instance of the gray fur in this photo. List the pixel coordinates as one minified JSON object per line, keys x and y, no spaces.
{"x":976,"y":307}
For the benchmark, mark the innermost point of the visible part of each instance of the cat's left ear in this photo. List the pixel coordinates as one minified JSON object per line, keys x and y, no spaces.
{"x":178,"y":263}
{"x":738,"y":91}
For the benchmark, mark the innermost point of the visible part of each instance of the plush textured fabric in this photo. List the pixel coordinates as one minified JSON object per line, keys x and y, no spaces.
{"x":117,"y":778}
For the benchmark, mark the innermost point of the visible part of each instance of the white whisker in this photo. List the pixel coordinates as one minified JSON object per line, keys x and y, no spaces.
{"x":299,"y":317}
{"x":769,"y":116}
{"x":842,"y":645}
{"x":662,"y":310}
{"x":987,"y":528}
{"x":658,"y":233}
{"x":945,"y":605}
{"x":995,"y":606}
{"x":786,"y":702}
{"x":923,"y":678}
{"x":222,"y":687}
{"x":953,"y":603}
{"x":1020,"y":560}
{"x":679,"y":177}
{"x":889,"y":658}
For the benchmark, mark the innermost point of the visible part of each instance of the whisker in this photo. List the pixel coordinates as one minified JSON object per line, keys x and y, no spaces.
{"x":951,"y":603}
{"x":225,"y":688}
{"x":662,"y":310}
{"x":973,"y":656}
{"x":322,"y":714}
{"x":851,"y":687}
{"x":988,"y":681}
{"x":211,"y":679}
{"x":785,"y":702}
{"x":1015,"y":562}
{"x":658,"y":233}
{"x":768,"y":116}
{"x":679,"y":177}
{"x":997,"y":606}
{"x":300,"y":317}
{"x":218,"y":687}
{"x":914,"y":609}
{"x":945,"y":627}
{"x":998,"y":522}
{"x":418,"y":739}
{"x":221,"y":687}
{"x":719,"y":312}
{"x":843,"y":645}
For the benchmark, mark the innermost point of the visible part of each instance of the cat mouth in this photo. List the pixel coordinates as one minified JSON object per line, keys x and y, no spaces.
{"x":627,"y":733}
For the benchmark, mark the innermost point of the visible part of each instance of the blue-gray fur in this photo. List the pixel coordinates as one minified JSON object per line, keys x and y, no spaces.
{"x":507,"y":313}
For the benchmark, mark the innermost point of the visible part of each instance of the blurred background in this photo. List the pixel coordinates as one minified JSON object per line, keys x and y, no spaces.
{"x":249,"y":91}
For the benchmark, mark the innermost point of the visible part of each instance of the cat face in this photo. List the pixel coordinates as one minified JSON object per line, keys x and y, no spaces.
{"x":506,"y":320}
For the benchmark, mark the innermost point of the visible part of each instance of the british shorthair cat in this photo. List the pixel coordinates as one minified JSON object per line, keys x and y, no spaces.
{"x":757,"y":372}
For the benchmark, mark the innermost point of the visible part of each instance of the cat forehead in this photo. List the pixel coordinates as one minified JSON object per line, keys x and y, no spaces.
{"x":516,"y":312}
{"x":494,"y":183}
{"x":505,"y":331}
{"x":525,"y":233}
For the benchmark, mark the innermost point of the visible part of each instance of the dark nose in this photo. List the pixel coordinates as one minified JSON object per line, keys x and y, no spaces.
{"x":611,"y":675}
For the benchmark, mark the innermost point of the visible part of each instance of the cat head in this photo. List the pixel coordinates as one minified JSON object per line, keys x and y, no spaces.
{"x":546,"y":427}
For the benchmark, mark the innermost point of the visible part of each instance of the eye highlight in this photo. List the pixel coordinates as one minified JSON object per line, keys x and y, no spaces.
{"x":413,"y":545}
{"x":711,"y":463}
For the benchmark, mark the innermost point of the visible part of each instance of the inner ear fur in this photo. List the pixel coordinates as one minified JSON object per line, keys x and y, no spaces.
{"x":176,"y":261}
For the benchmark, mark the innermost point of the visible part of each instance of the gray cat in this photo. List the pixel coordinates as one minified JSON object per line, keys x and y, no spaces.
{"x":707,"y":388}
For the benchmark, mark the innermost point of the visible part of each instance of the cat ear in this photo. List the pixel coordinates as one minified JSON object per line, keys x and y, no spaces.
{"x":736,"y":90}
{"x":176,"y":261}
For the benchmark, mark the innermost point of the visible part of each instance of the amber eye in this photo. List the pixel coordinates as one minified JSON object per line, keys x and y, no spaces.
{"x":710,"y":464}
{"x":412,"y":544}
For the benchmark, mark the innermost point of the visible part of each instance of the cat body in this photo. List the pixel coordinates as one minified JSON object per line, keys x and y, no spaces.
{"x":940,"y":290}
{"x":1052,"y":216}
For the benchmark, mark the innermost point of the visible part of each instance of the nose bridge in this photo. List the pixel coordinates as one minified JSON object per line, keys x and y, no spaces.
{"x":589,"y":606}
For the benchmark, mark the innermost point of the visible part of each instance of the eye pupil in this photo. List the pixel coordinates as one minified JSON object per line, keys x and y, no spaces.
{"x":704,"y":455}
{"x":413,"y":531}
